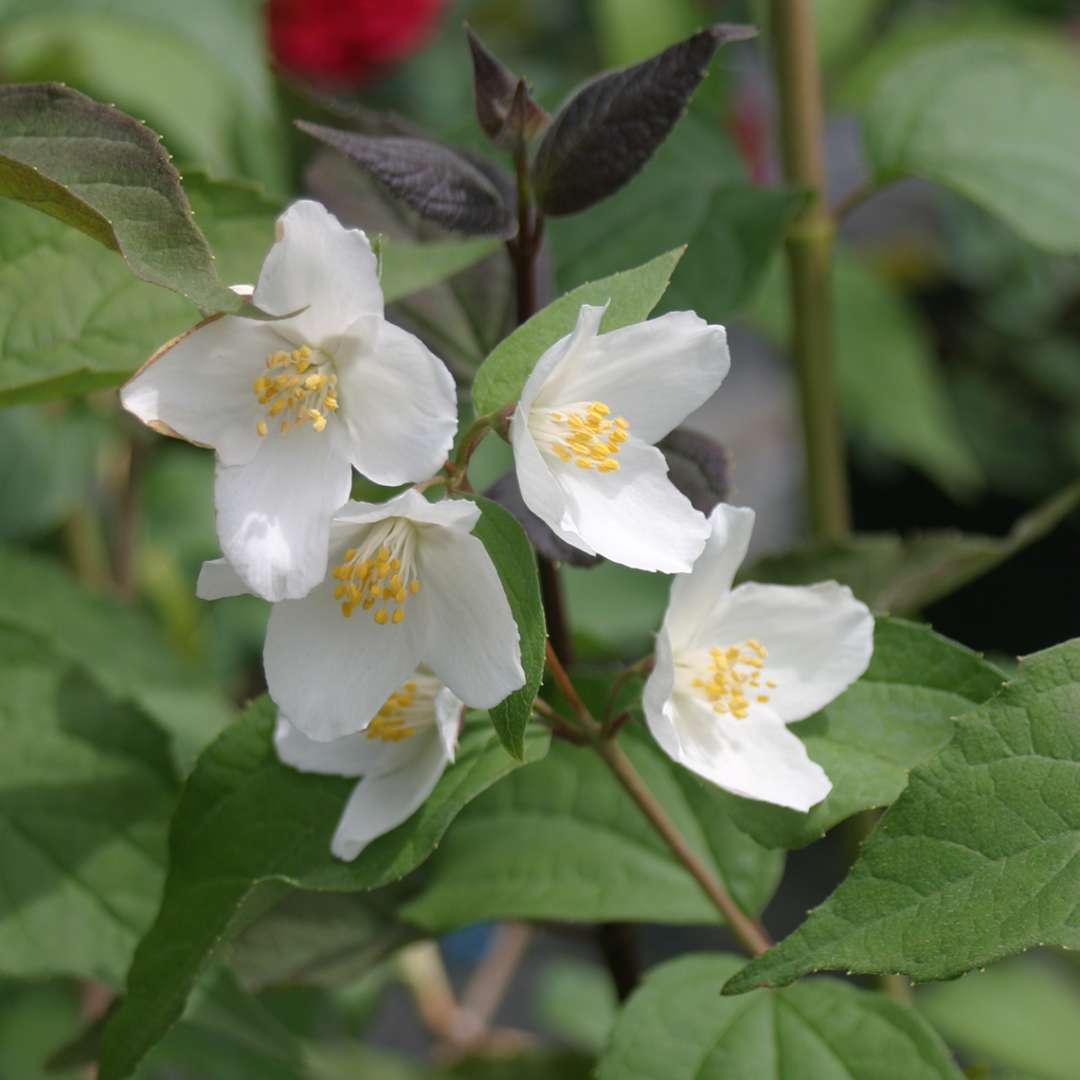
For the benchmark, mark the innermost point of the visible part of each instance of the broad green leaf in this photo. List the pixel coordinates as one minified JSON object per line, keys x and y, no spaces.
{"x":34,"y":1018}
{"x":989,"y":118}
{"x":693,"y":192}
{"x":107,"y":175}
{"x":409,"y":268}
{"x":515,"y":562}
{"x":867,"y":741}
{"x":976,"y":860}
{"x":50,"y":467}
{"x":903,"y":575}
{"x":74,"y":319}
{"x":677,"y":1027}
{"x":632,"y":294}
{"x":86,"y":788}
{"x":197,"y":73}
{"x":885,"y":371}
{"x":317,"y":939}
{"x":562,"y":840}
{"x":577,"y":1003}
{"x":245,"y":819}
{"x":115,"y":646}
{"x":1021,"y":1013}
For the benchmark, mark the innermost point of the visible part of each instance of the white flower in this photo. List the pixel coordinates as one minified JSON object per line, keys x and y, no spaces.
{"x":734,"y":666}
{"x":291,"y":406}
{"x":409,"y":586}
{"x":399,"y":756}
{"x":585,"y":424}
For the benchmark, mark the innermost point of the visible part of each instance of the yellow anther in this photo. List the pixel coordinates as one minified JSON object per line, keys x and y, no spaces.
{"x":731,"y":672}
{"x":293,"y":395}
{"x":608,"y":465}
{"x":319,"y":422}
{"x":763,"y":698}
{"x":346,"y":610}
{"x":395,"y":564}
{"x":622,"y":422}
{"x":384,"y":554}
{"x":399,"y":615}
{"x":395,"y":581}
{"x":378,"y":573}
{"x":381,"y":616}
{"x":581,"y":434}
{"x":414,"y":586}
{"x":260,"y":427}
{"x":278,"y":407}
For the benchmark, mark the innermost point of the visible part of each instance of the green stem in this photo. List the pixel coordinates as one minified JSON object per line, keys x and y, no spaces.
{"x":809,"y":252}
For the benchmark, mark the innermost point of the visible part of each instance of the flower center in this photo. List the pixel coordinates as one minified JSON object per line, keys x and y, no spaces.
{"x":294,"y":390}
{"x":407,"y":710}
{"x":584,"y":434}
{"x":732,"y":674}
{"x":379,"y":574}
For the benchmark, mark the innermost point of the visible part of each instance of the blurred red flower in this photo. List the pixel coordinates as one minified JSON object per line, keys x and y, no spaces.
{"x":346,"y":41}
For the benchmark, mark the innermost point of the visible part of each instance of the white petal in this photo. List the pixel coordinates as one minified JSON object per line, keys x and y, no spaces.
{"x":654,"y":373}
{"x":819,"y":640}
{"x":273,"y":514}
{"x":351,"y":755}
{"x":661,"y":681}
{"x":695,"y":596}
{"x":460,"y":514}
{"x":471,"y":639}
{"x":318,"y":264}
{"x":448,"y":709}
{"x":540,"y":490}
{"x":199,"y":386}
{"x":330,"y":675}
{"x":756,"y":757}
{"x":398,"y":404}
{"x":634,"y":516}
{"x":217,"y":580}
{"x":538,"y":386}
{"x":382,"y":802}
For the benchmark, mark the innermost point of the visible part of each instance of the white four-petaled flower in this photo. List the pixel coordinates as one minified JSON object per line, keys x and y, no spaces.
{"x":408,"y":585}
{"x":735,"y":666}
{"x":584,"y":428}
{"x":399,"y":758}
{"x":291,"y":406}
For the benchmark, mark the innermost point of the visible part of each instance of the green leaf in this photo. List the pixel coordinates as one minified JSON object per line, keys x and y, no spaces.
{"x":197,"y":73}
{"x":245,"y":819}
{"x":632,"y":295}
{"x":107,"y":175}
{"x":903,"y":575}
{"x":317,"y":939}
{"x":115,"y":646}
{"x":86,"y":787}
{"x":561,"y":839}
{"x":74,"y":319}
{"x":867,"y":741}
{"x":677,"y":1027}
{"x":1021,"y":1013}
{"x":989,"y":118}
{"x":34,"y":1018}
{"x":50,"y":467}
{"x":977,"y":858}
{"x":577,"y":1003}
{"x":885,"y":371}
{"x":732,"y":228}
{"x":408,"y":268}
{"x":515,"y":562}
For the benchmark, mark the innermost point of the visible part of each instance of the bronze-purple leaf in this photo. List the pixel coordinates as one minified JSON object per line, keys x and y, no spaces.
{"x":436,"y":181}
{"x":506,"y":112}
{"x":608,"y":128}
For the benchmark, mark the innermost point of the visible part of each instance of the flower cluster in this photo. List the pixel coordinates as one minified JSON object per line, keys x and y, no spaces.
{"x":388,"y":618}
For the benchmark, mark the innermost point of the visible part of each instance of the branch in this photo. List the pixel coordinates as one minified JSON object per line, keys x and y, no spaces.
{"x":750,"y":933}
{"x":809,"y":250}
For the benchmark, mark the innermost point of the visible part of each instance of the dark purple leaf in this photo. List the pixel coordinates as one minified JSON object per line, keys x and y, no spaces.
{"x":698,"y":466}
{"x":506,"y":112}
{"x":609,"y":128}
{"x":436,"y":181}
{"x":507,"y":494}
